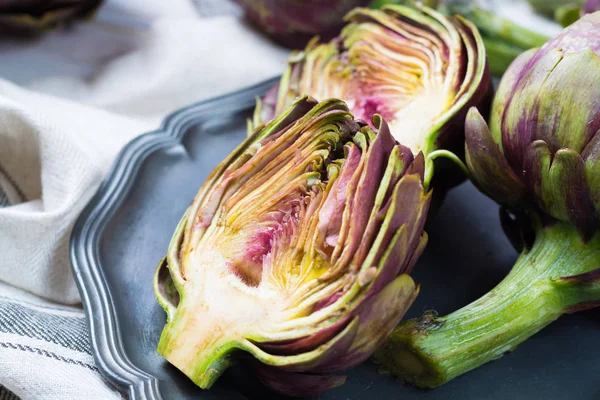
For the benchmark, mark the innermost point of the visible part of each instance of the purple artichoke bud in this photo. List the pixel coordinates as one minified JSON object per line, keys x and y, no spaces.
{"x":295,"y":254}
{"x":27,"y":17}
{"x":542,"y":145}
{"x":417,"y":68}
{"x":294,"y":22}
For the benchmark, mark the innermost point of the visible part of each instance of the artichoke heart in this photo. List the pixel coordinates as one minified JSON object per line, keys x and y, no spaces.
{"x":295,"y":254}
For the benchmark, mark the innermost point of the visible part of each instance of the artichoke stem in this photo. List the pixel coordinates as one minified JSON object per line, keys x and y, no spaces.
{"x":200,"y":353}
{"x":504,"y":29}
{"x":557,"y":275}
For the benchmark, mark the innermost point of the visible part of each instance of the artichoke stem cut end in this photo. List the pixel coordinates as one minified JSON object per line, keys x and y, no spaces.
{"x":406,"y":361}
{"x":202,"y":355}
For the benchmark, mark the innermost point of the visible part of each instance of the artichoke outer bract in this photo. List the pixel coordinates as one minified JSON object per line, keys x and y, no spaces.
{"x":540,"y":158}
{"x":295,"y":254}
{"x":419,"y":69}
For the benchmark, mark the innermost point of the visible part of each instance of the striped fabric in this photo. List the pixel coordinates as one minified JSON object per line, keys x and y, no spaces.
{"x":37,"y":335}
{"x":65,"y":327}
{"x":6,"y":394}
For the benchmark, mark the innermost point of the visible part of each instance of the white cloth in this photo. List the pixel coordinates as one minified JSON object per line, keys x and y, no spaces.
{"x":68,"y":102}
{"x":56,"y":151}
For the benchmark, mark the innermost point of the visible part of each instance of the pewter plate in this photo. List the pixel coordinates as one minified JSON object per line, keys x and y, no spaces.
{"x":125,"y":229}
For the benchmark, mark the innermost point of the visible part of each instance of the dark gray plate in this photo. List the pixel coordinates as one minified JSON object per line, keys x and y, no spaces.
{"x":124,"y":231}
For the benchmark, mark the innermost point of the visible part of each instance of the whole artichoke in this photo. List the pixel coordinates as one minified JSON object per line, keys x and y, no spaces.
{"x":540,"y":158}
{"x":417,"y":68}
{"x":294,"y":22}
{"x":26,"y":17}
{"x":543,"y":145}
{"x":296,"y":251}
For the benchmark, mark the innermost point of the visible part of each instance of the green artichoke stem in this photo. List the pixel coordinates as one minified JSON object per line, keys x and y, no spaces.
{"x":430,"y":351}
{"x":504,"y":29}
{"x":200,"y":353}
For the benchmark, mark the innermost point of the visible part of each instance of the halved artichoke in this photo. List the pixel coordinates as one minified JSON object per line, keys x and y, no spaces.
{"x":417,"y":68}
{"x":296,"y":251}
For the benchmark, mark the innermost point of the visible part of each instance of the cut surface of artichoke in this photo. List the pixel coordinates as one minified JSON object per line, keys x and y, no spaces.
{"x":296,"y":252}
{"x":413,"y":66}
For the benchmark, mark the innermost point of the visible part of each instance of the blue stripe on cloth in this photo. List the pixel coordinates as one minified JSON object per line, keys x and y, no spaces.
{"x":54,"y":325}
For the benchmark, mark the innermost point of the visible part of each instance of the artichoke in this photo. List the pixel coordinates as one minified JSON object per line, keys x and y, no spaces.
{"x":294,"y":22}
{"x":26,"y":17}
{"x":417,"y":68}
{"x":295,"y":254}
{"x":540,"y":159}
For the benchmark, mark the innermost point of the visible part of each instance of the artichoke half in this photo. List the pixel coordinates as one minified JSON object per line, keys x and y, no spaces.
{"x":417,"y":68}
{"x":540,"y":159}
{"x":296,"y":252}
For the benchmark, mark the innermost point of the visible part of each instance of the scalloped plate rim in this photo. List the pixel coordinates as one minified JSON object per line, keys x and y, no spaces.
{"x":105,"y":336}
